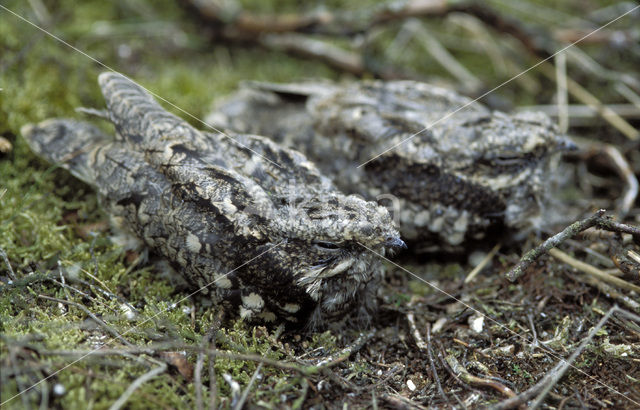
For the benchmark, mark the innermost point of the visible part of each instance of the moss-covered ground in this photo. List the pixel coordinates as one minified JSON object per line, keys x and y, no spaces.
{"x":67,"y":290}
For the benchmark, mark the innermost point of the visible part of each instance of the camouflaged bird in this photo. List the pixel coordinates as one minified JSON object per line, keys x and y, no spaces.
{"x":272,"y":236}
{"x":456,"y":170}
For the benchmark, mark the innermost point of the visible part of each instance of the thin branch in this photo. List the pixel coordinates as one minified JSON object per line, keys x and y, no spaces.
{"x":344,"y":354}
{"x":569,"y":232}
{"x":464,"y":375}
{"x":245,"y":393}
{"x":597,"y":220}
{"x":432,"y":363}
{"x":5,"y":258}
{"x":162,"y":367}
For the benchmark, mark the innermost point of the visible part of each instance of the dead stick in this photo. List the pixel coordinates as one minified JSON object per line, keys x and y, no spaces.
{"x":552,"y":242}
{"x":467,"y":377}
{"x":198,"y":370}
{"x":245,"y":393}
{"x":162,"y":367}
{"x":432,"y":363}
{"x":344,"y":354}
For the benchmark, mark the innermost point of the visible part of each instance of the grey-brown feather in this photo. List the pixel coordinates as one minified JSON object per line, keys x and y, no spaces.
{"x":252,"y":221}
{"x":456,"y":168}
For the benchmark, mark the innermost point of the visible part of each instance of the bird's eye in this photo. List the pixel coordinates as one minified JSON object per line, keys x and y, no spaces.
{"x":326,"y":245}
{"x":508,"y":160}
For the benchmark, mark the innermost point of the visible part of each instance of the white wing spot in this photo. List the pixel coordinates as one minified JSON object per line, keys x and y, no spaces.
{"x":223,"y":282}
{"x":291,"y":307}
{"x":193,"y":243}
{"x":245,"y":313}
{"x":253,"y":301}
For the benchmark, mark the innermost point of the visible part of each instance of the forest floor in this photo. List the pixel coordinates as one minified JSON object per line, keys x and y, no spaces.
{"x":83,"y":325}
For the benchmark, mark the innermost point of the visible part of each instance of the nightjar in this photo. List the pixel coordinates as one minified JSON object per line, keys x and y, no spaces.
{"x":450,"y":169}
{"x":272,"y":236}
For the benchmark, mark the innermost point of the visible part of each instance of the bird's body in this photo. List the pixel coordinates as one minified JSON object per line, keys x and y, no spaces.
{"x":253,"y":223}
{"x":449,"y":167}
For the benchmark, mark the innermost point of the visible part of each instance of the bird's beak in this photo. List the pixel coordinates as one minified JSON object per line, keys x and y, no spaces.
{"x":395,"y":242}
{"x":565,"y":144}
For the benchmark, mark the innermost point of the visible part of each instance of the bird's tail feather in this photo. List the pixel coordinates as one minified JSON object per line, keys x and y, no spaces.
{"x":67,"y":143}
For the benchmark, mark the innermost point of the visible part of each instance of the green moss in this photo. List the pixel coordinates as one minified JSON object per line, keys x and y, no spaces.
{"x":43,"y":209}
{"x":45,"y":212}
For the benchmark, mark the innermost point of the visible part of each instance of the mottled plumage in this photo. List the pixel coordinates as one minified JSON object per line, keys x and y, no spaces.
{"x":211,"y":205}
{"x":467,"y":173}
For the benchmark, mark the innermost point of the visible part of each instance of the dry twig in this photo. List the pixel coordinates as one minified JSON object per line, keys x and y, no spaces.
{"x":552,"y":242}
{"x":161,"y":368}
{"x":484,"y":262}
{"x":598,"y":220}
{"x":344,"y":354}
{"x":245,"y":393}
{"x":467,"y":377}
{"x":5,"y":258}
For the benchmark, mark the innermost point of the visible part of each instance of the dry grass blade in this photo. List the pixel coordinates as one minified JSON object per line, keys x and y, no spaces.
{"x":625,"y":171}
{"x":442,"y":56}
{"x":611,"y":292}
{"x":563,"y":99}
{"x":483,"y":263}
{"x":581,"y":94}
{"x":584,"y":115}
{"x":593,"y":271}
